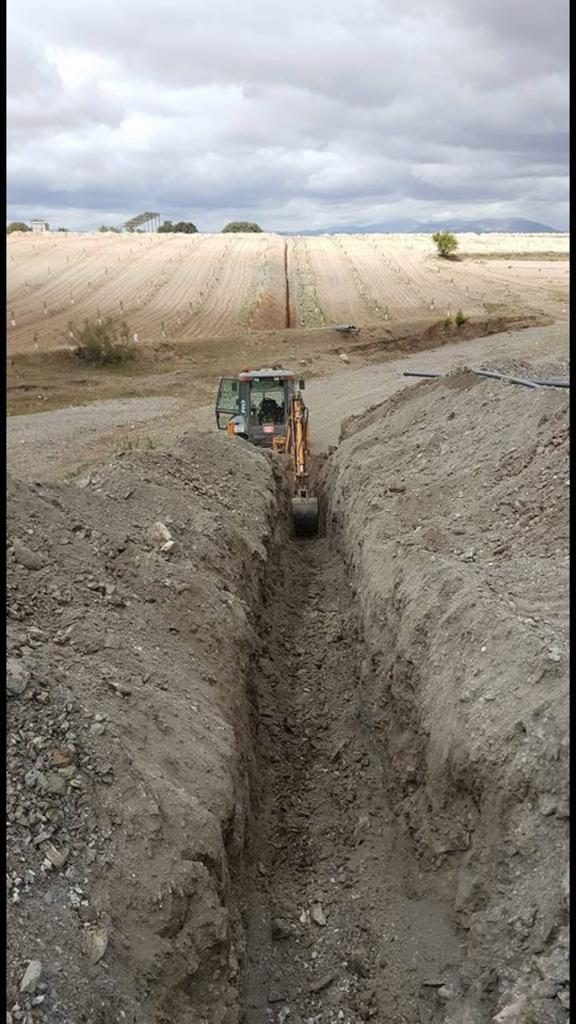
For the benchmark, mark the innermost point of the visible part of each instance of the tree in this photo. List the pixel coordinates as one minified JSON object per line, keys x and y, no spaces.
{"x":63,"y":229}
{"x":17,"y":225}
{"x":446,"y":243}
{"x":241,"y":226}
{"x":186,"y":227}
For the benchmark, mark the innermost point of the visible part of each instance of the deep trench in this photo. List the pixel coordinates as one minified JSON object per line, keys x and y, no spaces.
{"x":340,"y":922}
{"x":288,"y":318}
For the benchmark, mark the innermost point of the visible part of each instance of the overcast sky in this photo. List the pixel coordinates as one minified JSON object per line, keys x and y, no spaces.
{"x":299,"y":114}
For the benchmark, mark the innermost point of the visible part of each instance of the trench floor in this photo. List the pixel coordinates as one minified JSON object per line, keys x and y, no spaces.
{"x":341,"y":924}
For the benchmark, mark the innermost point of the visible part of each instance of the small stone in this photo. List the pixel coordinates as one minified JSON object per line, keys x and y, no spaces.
{"x":513,"y":1013}
{"x":17,"y":676}
{"x":324,"y":982}
{"x":317,"y":914}
{"x":357,"y":965}
{"x":55,"y":784}
{"x":158,"y":534}
{"x":63,"y":757}
{"x":56,"y":857}
{"x":31,"y":977}
{"x":98,"y":729}
{"x":95,"y":943}
{"x":468,"y":556}
{"x":24,"y":556}
{"x":275,"y":996}
{"x":548,"y":805}
{"x":120,"y":688}
{"x":280,"y":930}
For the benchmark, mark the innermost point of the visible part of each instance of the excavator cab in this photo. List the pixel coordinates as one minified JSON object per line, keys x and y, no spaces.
{"x":255,"y":405}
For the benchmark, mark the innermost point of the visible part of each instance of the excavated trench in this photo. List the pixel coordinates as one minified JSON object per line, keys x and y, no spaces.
{"x":340,"y":923}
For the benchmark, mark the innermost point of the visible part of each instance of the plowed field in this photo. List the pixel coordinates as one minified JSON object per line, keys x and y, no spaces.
{"x":182,"y":287}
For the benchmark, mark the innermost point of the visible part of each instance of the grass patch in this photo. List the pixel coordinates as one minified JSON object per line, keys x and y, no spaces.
{"x":132,"y":443}
{"x":534,"y":256}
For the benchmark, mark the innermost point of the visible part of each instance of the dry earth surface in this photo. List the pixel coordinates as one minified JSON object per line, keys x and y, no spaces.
{"x":183,"y":287}
{"x":258,"y":780}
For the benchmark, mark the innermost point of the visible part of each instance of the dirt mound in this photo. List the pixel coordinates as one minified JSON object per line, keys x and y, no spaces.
{"x":450,"y":502}
{"x":128,"y":641}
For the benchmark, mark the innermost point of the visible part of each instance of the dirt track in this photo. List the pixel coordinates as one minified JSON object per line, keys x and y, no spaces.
{"x":49,"y":445}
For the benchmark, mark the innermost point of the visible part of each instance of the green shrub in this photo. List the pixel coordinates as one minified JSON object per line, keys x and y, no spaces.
{"x":446,"y":243}
{"x":17,"y":225}
{"x":103,"y":343}
{"x":460,"y":318}
{"x":241,"y":226}
{"x":183,"y":227}
{"x":448,"y":321}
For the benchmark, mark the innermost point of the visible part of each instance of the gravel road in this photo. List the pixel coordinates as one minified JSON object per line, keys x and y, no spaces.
{"x":46,"y":446}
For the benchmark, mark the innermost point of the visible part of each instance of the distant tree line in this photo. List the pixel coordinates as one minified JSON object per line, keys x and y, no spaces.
{"x":181,"y":227}
{"x":187,"y":228}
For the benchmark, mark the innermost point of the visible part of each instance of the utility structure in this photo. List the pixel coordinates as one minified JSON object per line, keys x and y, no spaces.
{"x":266,"y":408}
{"x":147,"y":221}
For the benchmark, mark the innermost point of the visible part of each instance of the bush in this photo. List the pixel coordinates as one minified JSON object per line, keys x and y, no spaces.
{"x":17,"y":225}
{"x":460,"y":318}
{"x":106,"y":343}
{"x":241,"y":225}
{"x":184,"y":227}
{"x":446,"y":243}
{"x":448,"y":321}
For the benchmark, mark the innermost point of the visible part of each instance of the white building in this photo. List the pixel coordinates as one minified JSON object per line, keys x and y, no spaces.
{"x":38,"y":225}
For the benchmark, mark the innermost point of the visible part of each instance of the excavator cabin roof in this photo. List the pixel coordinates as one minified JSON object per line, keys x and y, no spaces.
{"x":266,"y":372}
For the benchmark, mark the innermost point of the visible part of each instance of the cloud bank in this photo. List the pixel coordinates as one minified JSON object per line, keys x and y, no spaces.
{"x":296,"y":115}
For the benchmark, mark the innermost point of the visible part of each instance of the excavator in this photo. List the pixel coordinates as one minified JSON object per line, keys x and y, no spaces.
{"x":266,"y":408}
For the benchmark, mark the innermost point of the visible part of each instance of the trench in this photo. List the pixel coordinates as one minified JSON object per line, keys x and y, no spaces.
{"x":288,"y":319}
{"x":341,"y":924}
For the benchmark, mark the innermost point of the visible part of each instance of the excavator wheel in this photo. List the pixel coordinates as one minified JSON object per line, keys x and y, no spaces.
{"x":305,"y":516}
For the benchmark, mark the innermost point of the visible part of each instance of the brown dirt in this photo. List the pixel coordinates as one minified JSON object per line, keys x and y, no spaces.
{"x":450,"y":502}
{"x":128,"y":749}
{"x":186,"y":288}
{"x":37,"y":382}
{"x":297,"y":782}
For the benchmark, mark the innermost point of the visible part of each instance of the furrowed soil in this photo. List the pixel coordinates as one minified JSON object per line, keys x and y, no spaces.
{"x":253,"y":779}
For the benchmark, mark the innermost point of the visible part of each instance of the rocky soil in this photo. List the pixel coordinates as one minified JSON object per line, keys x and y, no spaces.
{"x":275,"y":782}
{"x":129,"y":634}
{"x":450,"y":506}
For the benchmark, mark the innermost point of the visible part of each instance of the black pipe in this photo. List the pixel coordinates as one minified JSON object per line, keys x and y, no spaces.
{"x":496,"y":376}
{"x":503,"y":376}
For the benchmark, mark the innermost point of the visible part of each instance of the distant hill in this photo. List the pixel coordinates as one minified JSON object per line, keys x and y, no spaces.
{"x":507,"y":225}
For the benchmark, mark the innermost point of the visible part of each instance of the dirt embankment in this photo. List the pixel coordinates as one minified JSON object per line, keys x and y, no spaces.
{"x":450,"y":506}
{"x":129,"y":754}
{"x":258,"y":780}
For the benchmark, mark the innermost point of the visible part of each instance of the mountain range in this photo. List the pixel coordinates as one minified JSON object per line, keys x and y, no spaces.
{"x":507,"y":225}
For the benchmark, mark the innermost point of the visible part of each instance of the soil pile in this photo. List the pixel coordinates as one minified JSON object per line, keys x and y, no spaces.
{"x":129,"y":635}
{"x":450,"y":505}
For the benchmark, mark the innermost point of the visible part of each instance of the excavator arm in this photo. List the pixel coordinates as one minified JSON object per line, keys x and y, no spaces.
{"x":305,"y":511}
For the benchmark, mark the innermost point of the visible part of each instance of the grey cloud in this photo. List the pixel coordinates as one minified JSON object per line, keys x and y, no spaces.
{"x":309,"y":110}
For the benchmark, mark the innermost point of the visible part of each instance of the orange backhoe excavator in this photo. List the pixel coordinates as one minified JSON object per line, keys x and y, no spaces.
{"x":266,"y":407}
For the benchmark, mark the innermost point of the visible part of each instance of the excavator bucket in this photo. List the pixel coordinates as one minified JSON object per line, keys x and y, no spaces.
{"x":305,"y":516}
